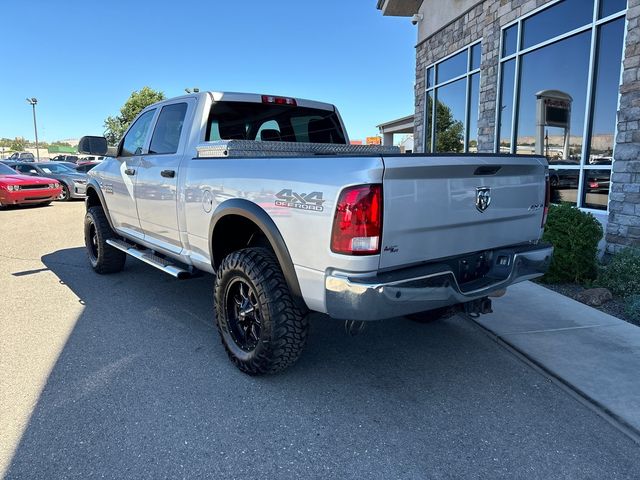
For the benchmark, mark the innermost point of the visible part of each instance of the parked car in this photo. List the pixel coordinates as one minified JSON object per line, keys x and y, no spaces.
{"x":73,"y":183}
{"x":266,"y":193}
{"x":84,"y":167}
{"x":16,"y":189}
{"x":22,"y":157}
{"x":90,"y":158}
{"x":65,"y":158}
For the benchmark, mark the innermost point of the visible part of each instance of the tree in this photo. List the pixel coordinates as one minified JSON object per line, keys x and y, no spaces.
{"x":449,"y":132}
{"x":139,"y":100}
{"x":17,"y":144}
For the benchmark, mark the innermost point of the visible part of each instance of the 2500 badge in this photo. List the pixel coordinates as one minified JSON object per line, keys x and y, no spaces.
{"x":302,"y":201}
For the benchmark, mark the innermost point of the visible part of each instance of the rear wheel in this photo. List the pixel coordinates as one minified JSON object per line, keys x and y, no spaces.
{"x":261,"y":328}
{"x":103,"y":257}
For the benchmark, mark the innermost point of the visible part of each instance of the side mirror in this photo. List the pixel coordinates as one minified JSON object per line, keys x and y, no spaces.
{"x":93,"y":145}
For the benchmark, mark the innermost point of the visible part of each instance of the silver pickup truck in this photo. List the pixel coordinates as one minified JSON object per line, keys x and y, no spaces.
{"x":266,"y":193}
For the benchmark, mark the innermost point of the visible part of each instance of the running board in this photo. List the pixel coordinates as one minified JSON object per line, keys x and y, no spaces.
{"x":149,"y":258}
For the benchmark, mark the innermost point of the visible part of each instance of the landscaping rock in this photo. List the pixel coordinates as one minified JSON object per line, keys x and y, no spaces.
{"x":594,"y":296}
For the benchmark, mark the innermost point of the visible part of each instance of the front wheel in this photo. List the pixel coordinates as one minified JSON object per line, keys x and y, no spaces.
{"x":261,"y":328}
{"x":103,"y":257}
{"x":64,"y":194}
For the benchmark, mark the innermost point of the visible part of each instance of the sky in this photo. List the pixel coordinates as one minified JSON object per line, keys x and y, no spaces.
{"x":82,"y":59}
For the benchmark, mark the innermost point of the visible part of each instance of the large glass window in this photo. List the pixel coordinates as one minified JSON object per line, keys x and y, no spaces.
{"x":452,"y":102}
{"x":559,"y":85}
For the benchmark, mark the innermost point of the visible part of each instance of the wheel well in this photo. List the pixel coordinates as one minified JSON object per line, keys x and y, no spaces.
{"x":234,"y":232}
{"x":93,"y":200}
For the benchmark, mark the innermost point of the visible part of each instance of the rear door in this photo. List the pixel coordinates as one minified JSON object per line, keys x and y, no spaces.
{"x":156,"y":187}
{"x":442,"y":206}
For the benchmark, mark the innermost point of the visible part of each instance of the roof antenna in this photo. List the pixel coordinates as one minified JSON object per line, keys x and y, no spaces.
{"x":188,"y":90}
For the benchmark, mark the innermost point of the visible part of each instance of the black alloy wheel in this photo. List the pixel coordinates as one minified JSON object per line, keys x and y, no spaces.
{"x":243,"y":314}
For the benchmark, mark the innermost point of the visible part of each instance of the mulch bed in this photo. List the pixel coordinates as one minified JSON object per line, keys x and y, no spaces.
{"x":614,"y":307}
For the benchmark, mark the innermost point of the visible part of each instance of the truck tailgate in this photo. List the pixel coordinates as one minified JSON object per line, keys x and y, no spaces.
{"x":432,"y":208}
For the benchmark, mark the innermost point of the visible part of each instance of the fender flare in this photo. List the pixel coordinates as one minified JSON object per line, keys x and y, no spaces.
{"x":251,"y":211}
{"x":93,"y":184}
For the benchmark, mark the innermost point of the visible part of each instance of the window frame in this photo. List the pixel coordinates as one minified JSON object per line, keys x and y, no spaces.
{"x":594,"y":27}
{"x":433,"y":90}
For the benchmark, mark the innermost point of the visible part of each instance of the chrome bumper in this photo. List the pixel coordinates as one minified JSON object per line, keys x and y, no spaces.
{"x":418,"y":289}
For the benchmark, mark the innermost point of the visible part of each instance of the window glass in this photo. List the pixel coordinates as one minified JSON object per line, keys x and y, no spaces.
{"x":560,"y":66}
{"x":450,"y":115}
{"x":243,"y":120}
{"x":596,"y":188}
{"x":5,"y":170}
{"x":26,"y":169}
{"x":605,"y":98}
{"x":474,"y":102}
{"x":453,"y":67}
{"x":269,"y":131}
{"x":609,"y":7}
{"x":166,"y":135}
{"x":427,"y":121}
{"x":564,"y":185}
{"x":506,"y":105}
{"x":510,"y":40}
{"x":430,"y":80}
{"x":137,"y":134}
{"x":562,"y":17}
{"x":476,"y":53}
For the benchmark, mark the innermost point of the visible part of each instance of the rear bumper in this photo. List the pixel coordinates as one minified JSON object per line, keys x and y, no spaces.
{"x":377,"y":296}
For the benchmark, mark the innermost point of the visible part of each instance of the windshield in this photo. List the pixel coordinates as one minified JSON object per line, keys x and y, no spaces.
{"x":269,"y":122}
{"x":56,"y":168}
{"x":4,"y":170}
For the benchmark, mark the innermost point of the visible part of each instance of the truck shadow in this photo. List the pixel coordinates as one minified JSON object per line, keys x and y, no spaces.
{"x":143,"y":388}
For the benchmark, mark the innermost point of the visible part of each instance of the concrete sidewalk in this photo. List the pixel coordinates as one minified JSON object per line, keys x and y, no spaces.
{"x":595,"y":354}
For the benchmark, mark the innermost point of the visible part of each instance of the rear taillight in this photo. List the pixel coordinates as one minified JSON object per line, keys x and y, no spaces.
{"x":547,"y":199}
{"x":279,"y":100}
{"x":357,"y":224}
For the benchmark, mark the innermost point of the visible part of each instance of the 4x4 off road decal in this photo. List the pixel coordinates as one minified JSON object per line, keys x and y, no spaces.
{"x":303,"y":201}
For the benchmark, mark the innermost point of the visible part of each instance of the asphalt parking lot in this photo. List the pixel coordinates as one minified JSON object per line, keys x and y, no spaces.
{"x":123,"y":376}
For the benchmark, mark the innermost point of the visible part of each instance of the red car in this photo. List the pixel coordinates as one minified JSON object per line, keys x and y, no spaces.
{"x":16,"y":189}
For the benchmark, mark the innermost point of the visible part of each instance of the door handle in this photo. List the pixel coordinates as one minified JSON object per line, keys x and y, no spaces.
{"x":168,"y":173}
{"x":130,"y":171}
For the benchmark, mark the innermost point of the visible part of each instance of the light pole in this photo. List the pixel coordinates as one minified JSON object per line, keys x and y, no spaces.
{"x":33,"y":101}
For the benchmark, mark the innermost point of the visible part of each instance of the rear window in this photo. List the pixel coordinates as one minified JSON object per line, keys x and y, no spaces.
{"x":268,"y":122}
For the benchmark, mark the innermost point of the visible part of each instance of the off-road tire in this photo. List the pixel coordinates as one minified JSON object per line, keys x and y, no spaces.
{"x":284,"y":326}
{"x":433,"y":315}
{"x":103,"y":257}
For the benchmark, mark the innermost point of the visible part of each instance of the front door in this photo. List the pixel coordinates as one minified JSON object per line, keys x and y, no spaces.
{"x":118,"y":181}
{"x":156,"y":188}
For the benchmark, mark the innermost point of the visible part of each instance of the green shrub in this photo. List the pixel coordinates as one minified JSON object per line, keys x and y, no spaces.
{"x":574,"y":235}
{"x":632,"y":307}
{"x":622,"y":274}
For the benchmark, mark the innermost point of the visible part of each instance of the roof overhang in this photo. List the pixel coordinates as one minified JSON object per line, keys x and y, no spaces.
{"x":399,"y":8}
{"x":399,"y":125}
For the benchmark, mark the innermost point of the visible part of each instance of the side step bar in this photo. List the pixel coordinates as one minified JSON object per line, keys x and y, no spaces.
{"x":148,"y":257}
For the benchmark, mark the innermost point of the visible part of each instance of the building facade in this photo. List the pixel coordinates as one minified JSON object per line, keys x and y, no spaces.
{"x":553,"y":77}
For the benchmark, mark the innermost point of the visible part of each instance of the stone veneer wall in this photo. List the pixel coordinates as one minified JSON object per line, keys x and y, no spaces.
{"x":623,"y":227}
{"x":482,"y":21}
